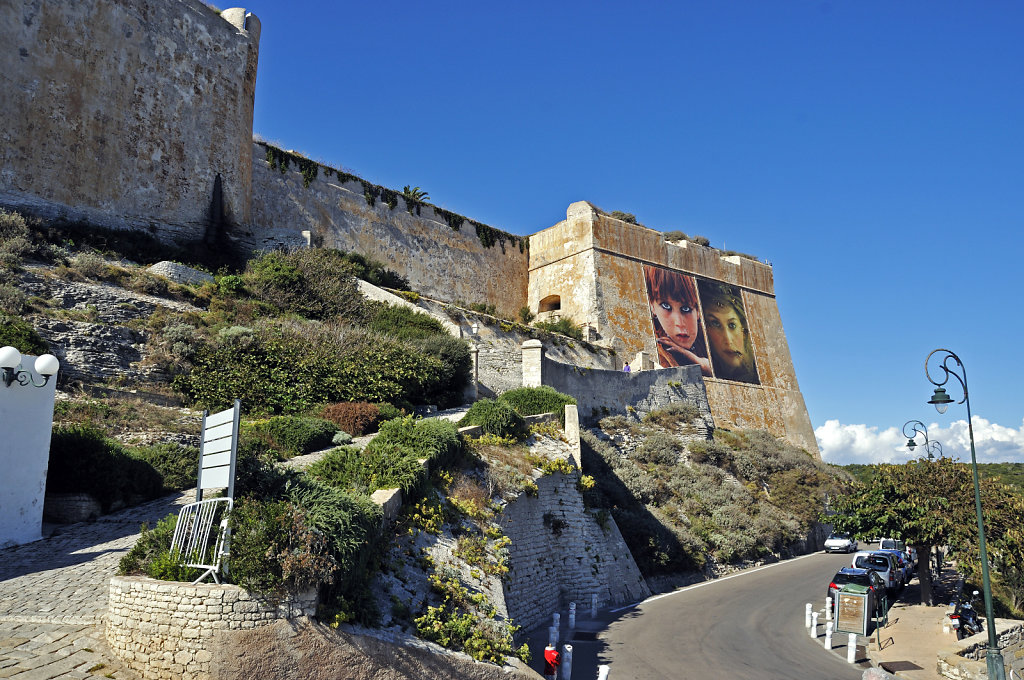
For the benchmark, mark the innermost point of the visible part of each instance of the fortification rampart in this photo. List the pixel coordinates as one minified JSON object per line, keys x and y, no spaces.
{"x":471,"y":263}
{"x":598,"y":270}
{"x":124,"y":113}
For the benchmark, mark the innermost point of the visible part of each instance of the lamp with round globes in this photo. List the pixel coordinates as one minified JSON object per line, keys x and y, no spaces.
{"x":11,"y":371}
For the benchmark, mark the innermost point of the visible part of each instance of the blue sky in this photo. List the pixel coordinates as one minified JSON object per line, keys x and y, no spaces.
{"x":871,"y":151}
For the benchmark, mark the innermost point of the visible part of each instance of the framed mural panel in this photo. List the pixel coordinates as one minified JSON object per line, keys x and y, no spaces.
{"x":728,"y":332}
{"x":675,"y":314}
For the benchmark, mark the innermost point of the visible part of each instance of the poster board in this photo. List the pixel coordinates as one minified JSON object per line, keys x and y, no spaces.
{"x":852,"y":613}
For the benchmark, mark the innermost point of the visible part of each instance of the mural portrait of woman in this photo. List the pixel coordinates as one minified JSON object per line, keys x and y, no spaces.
{"x":675,"y":313}
{"x":728,"y":333}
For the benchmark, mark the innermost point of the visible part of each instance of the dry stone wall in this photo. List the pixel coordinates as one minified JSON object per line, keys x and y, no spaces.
{"x":124,"y":113}
{"x":562,"y":554}
{"x":165,"y":631}
{"x":438,"y":261}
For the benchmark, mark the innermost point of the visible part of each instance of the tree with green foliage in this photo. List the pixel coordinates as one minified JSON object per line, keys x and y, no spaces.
{"x":931,"y":503}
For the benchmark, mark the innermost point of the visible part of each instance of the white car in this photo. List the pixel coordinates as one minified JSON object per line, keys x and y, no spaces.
{"x":884,"y":563}
{"x":839,"y":542}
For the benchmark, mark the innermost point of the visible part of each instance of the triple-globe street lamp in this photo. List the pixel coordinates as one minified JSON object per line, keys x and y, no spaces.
{"x":941,"y":401}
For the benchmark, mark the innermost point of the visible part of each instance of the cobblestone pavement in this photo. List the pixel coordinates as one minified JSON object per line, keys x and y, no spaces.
{"x":53,"y":595}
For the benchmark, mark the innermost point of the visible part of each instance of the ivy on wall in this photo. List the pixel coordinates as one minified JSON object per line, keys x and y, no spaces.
{"x":281,"y":160}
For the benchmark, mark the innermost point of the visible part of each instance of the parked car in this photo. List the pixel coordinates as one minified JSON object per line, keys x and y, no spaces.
{"x":884,"y":563}
{"x":840,"y":542}
{"x":906,"y":571}
{"x":867,"y":578}
{"x":897,"y":544}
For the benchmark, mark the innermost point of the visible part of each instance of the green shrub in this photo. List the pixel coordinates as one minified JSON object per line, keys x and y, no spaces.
{"x":230,"y":284}
{"x":356,"y":418}
{"x":565,"y":326}
{"x":495,"y":417}
{"x":314,"y":283}
{"x":83,"y":460}
{"x":385,"y":466}
{"x":659,"y":448}
{"x":629,"y":218}
{"x":12,"y":299}
{"x":178,"y":465}
{"x":274,"y":550}
{"x":388,"y":412}
{"x":374,"y":271}
{"x":291,"y":436}
{"x":529,"y":401}
{"x":672,"y":415}
{"x":525,"y":315}
{"x":151,"y":554}
{"x":288,"y":368}
{"x":402,"y":322}
{"x":20,"y":335}
{"x":446,"y":386}
{"x":435,"y":440}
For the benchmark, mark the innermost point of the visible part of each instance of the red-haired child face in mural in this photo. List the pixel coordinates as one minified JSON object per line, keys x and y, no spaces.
{"x":675,"y":313}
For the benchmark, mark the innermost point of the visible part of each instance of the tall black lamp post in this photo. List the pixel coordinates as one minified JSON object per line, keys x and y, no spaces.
{"x":941,"y":401}
{"x":916,"y":428}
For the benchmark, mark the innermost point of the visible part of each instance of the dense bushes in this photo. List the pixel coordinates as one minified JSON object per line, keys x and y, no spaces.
{"x":177,"y":465}
{"x":20,"y":335}
{"x":290,"y":368}
{"x":528,"y":401}
{"x":387,"y":466}
{"x":291,"y":436}
{"x":401,"y":322}
{"x":495,"y":417}
{"x":83,"y":460}
{"x":672,"y":513}
{"x":315,"y":283}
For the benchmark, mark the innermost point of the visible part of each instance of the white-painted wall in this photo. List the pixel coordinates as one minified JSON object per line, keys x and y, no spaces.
{"x":26,"y":418}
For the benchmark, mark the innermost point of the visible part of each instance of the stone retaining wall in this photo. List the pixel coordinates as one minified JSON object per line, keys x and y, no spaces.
{"x":966,"y":660}
{"x":164,"y":630}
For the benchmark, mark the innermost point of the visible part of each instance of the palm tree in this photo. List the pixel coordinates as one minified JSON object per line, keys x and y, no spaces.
{"x":415,"y":193}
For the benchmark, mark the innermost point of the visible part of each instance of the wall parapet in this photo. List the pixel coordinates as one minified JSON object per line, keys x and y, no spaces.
{"x":165,"y":630}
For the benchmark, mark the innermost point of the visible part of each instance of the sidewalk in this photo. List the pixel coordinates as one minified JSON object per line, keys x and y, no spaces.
{"x":912,"y":640}
{"x":53,"y":596}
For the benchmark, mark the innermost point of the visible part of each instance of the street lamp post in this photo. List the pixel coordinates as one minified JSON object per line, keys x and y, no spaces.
{"x":941,"y":401}
{"x":916,"y":428}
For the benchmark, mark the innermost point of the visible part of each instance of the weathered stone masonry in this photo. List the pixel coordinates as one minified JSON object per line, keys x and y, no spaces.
{"x":124,"y":113}
{"x":165,"y":630}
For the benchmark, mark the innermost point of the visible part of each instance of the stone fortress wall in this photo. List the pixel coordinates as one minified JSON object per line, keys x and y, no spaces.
{"x":124,"y":113}
{"x":413,"y":240}
{"x":593,"y":264}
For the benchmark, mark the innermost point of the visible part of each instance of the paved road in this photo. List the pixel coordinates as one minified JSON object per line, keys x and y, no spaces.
{"x":745,"y":627}
{"x":53,"y":596}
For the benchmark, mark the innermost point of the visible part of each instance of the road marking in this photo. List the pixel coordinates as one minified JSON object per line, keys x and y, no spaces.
{"x":712,"y":582}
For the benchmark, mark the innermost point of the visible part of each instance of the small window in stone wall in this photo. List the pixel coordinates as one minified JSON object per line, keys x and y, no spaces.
{"x":551,"y":303}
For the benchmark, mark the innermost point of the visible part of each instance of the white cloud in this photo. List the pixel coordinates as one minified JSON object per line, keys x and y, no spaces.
{"x":994,"y":443}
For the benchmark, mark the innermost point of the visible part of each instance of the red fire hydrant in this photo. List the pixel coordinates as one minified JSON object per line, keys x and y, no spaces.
{"x":551,"y":661}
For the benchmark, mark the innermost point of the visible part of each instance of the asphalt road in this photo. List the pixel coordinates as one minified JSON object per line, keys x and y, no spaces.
{"x":749,"y":626}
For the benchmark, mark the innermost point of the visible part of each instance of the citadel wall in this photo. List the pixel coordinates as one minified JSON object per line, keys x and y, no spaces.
{"x":124,"y":113}
{"x":413,"y":239}
{"x":596,"y":266}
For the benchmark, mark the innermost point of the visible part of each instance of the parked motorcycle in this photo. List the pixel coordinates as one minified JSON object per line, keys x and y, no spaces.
{"x":964,"y":619}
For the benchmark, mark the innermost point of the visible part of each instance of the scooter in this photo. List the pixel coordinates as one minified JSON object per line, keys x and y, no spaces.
{"x":965,"y":620}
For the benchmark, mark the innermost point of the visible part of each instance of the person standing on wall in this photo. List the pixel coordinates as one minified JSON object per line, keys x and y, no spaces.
{"x":625,"y":367}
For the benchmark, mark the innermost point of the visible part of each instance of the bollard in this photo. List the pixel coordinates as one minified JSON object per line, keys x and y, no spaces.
{"x":572,"y":616}
{"x":552,"y":636}
{"x":593,"y":606}
{"x":602,"y":672}
{"x":807,"y":615}
{"x":813,"y":630}
{"x":828,"y":608}
{"x":566,"y":662}
{"x":828,"y":635}
{"x":556,"y":620}
{"x":851,"y":648}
